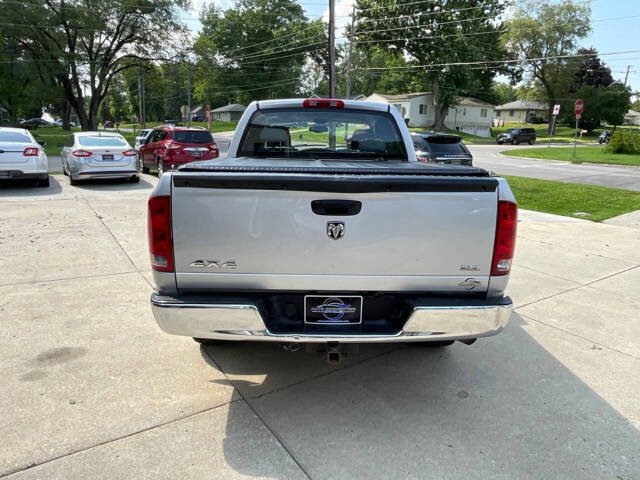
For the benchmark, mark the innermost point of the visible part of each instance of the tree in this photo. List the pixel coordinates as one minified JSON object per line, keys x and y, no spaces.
{"x":257,"y":49}
{"x":86,"y":43}
{"x":542,"y":35}
{"x":439,"y":38}
{"x":591,"y":71}
{"x":601,"y":104}
{"x":504,"y":93}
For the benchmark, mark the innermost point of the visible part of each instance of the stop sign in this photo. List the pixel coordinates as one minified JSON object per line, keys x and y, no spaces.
{"x":578,"y":107}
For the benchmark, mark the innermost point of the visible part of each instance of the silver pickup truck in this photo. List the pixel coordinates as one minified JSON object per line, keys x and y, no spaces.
{"x":321,"y":227}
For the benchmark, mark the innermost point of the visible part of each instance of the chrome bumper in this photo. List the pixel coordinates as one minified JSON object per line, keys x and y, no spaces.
{"x":244,"y":322}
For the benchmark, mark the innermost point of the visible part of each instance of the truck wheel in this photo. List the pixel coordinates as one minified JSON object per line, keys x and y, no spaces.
{"x":515,"y":141}
{"x":444,"y":343}
{"x":532,"y":141}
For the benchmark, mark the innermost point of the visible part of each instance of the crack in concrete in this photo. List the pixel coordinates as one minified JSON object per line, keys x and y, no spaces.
{"x":280,"y":440}
{"x":115,"y":439}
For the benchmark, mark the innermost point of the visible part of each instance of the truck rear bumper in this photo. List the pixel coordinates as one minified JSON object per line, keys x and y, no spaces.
{"x":243,"y":321}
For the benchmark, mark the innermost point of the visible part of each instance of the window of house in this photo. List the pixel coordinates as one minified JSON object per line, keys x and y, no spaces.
{"x":511,"y":113}
{"x":424,"y":109}
{"x":497,"y":113}
{"x":483,"y":112}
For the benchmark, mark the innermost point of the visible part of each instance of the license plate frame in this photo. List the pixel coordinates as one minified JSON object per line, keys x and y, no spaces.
{"x":108,"y":157}
{"x":333,"y":309}
{"x":196,"y":153}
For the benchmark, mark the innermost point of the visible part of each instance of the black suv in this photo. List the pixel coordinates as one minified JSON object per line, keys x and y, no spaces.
{"x":516,"y":135}
{"x":441,"y":148}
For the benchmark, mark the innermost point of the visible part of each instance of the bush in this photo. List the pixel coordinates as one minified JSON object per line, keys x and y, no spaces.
{"x":624,"y":141}
{"x":538,"y":120}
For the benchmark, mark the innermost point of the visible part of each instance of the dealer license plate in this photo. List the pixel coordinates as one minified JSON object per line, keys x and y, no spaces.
{"x":346,"y":309}
{"x":107,"y":158}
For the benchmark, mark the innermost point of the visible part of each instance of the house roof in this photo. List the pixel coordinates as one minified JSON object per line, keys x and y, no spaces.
{"x":196,"y":109}
{"x":523,"y":105}
{"x":399,"y":97}
{"x":632,"y":113}
{"x":232,"y":107}
{"x":474,"y":102}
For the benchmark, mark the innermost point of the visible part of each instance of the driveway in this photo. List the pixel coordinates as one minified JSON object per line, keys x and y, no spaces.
{"x":93,"y":389}
{"x":488,"y":157}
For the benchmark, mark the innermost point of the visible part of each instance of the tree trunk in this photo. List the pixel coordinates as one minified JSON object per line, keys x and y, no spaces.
{"x":65,"y":113}
{"x":437,"y":111}
{"x":550,"y":115}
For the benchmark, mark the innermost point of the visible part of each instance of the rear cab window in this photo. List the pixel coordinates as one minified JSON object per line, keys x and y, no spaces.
{"x":325,"y":133}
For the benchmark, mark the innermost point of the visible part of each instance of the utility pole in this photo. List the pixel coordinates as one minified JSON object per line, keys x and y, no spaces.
{"x":142,"y":100}
{"x":139,"y":98}
{"x":627,"y":75}
{"x":189,"y":95}
{"x":350,"y":60}
{"x":332,"y":49}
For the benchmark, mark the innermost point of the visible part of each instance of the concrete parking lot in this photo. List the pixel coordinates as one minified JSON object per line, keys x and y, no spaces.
{"x":93,"y":389}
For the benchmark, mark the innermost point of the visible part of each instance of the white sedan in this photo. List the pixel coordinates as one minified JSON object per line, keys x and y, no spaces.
{"x":22,"y":157}
{"x":91,"y":155}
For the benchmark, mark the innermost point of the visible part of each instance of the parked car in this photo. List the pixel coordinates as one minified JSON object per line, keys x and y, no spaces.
{"x":175,"y":123}
{"x":516,"y":136}
{"x":141,"y":137}
{"x":169,"y":147}
{"x":36,"y":121}
{"x":199,"y":118}
{"x":108,"y":124}
{"x":441,"y":148}
{"x":22,"y":157}
{"x":58,"y":123}
{"x":604,"y":137}
{"x":91,"y":155}
{"x":327,"y":242}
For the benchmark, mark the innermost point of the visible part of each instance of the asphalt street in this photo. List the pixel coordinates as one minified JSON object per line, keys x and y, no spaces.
{"x":93,"y":389}
{"x":488,"y":157}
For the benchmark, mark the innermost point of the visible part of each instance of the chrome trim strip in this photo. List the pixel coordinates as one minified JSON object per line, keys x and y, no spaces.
{"x":244,"y":322}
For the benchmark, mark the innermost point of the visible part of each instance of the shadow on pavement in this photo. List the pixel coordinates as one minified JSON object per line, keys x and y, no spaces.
{"x":504,"y":407}
{"x":29,"y":188}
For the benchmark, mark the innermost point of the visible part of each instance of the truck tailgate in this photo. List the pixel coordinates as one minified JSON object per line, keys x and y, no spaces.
{"x":263,"y":231}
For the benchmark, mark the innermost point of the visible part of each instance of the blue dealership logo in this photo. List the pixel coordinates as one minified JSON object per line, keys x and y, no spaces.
{"x":333,"y":309}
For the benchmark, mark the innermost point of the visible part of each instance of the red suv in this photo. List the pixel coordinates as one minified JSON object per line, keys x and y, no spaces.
{"x":168,"y":147}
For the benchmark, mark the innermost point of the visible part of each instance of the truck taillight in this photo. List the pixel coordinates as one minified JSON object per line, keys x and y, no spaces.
{"x":505,"y":242}
{"x":159,"y":229}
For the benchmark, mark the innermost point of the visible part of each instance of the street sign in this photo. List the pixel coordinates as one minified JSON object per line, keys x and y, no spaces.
{"x":578,"y":107}
{"x":556,"y":109}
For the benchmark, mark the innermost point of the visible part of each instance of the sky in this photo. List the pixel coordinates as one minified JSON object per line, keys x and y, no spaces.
{"x":615,"y":28}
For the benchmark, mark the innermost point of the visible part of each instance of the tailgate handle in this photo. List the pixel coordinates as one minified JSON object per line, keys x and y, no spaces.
{"x":336,"y":207}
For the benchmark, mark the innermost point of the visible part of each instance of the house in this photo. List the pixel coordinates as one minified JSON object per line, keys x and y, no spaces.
{"x":631,"y":118}
{"x":197,"y":112}
{"x":228,"y":113}
{"x":470,"y":115}
{"x":522,"y":111}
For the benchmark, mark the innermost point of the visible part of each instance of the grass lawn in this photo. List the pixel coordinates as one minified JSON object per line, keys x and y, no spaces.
{"x":569,"y":199}
{"x":215,"y":126}
{"x":583,"y":154}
